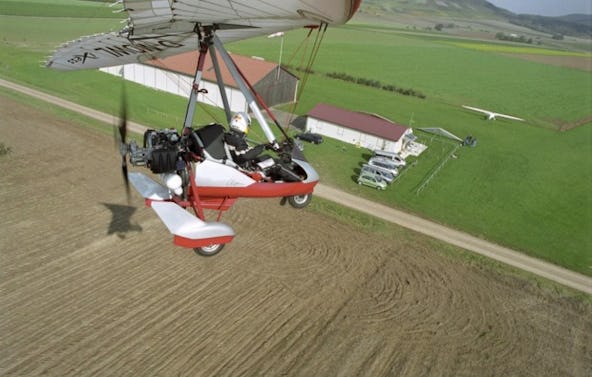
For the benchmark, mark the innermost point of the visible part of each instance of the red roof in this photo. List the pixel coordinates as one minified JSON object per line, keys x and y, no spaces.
{"x":253,"y":69}
{"x":364,"y":122}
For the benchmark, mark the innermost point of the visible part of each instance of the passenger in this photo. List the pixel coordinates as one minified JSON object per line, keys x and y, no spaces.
{"x":236,"y":139}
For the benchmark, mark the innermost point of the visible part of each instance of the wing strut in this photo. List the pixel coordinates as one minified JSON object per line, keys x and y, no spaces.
{"x":210,"y":42}
{"x":244,"y":89}
{"x":221,"y":87}
{"x":203,"y":51}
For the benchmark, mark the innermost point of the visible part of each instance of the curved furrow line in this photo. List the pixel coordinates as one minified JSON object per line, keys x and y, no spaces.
{"x":127,"y":327}
{"x":83,"y":302}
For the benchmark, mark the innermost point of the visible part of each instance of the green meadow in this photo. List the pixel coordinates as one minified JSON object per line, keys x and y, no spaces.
{"x":504,"y":48}
{"x":444,"y":72}
{"x":58,"y":8}
{"x":525,"y":185}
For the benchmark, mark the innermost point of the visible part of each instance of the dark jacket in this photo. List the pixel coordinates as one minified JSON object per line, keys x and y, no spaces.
{"x":239,"y":149}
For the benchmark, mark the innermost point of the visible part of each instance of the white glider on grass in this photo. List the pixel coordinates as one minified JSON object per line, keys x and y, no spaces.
{"x":490,"y":115}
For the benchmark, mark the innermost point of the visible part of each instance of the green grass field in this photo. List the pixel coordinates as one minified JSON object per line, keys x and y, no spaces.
{"x":505,"y":48}
{"x":525,"y":185}
{"x":451,"y":74}
{"x":59,"y":8}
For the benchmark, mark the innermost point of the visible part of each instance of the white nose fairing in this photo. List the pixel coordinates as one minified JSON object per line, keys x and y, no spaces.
{"x":213,"y":174}
{"x":311,"y":174}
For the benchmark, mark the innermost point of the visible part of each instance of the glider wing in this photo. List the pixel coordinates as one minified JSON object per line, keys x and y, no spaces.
{"x":161,"y":28}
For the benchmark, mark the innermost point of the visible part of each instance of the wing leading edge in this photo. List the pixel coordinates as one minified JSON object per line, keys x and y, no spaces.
{"x":161,"y":28}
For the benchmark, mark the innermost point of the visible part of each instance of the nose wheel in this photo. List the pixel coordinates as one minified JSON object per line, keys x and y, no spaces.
{"x":208,"y":251}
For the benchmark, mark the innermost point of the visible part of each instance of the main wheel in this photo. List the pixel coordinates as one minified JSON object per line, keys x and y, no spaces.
{"x":300,"y":201}
{"x":208,"y":251}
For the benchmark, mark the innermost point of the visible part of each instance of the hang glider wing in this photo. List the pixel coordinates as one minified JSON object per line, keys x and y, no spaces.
{"x":492,"y":115}
{"x":488,"y":113}
{"x":161,"y":28}
{"x":508,"y":117}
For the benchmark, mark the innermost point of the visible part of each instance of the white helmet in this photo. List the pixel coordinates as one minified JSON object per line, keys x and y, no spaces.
{"x":240,"y":122}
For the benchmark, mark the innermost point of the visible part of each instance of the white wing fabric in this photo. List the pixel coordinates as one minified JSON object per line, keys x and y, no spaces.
{"x":486,"y":112}
{"x":161,"y":28}
{"x":491,"y":115}
{"x":508,"y":117}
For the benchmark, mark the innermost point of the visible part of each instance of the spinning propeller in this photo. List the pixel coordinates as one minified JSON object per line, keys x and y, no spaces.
{"x":120,"y":139}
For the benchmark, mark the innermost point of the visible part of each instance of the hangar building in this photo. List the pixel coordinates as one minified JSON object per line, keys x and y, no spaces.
{"x":175,"y":75}
{"x":362,"y":129}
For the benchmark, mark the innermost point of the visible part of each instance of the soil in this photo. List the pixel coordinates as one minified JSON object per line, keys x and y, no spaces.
{"x":92,"y":285}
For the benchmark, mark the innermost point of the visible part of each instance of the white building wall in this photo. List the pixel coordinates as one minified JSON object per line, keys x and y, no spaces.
{"x":354,"y":137}
{"x":178,"y":84}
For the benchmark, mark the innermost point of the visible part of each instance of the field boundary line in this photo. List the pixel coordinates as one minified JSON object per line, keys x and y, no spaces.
{"x":454,"y":237}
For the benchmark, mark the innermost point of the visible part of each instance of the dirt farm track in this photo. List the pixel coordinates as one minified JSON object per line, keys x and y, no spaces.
{"x":90,"y":285}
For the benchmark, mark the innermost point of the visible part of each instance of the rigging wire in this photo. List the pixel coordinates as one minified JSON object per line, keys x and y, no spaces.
{"x":321,"y":30}
{"x":313,"y":55}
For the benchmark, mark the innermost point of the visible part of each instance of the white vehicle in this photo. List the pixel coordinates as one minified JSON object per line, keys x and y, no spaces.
{"x":490,"y":115}
{"x":385,"y":174}
{"x":384,"y":163}
{"x":395,"y":157}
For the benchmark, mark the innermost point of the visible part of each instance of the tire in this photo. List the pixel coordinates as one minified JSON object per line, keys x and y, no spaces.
{"x":300,"y":201}
{"x":208,"y":251}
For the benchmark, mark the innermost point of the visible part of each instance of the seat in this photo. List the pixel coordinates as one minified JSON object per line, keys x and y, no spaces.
{"x":211,"y":139}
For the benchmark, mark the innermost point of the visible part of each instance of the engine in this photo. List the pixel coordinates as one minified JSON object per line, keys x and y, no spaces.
{"x":161,"y":152}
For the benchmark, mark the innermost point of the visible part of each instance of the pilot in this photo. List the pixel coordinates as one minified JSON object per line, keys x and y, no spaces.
{"x":236,"y":139}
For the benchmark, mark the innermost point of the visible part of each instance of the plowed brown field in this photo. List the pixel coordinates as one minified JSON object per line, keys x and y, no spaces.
{"x":90,"y":285}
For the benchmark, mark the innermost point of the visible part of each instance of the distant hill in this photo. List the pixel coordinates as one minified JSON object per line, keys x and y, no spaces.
{"x":452,"y":8}
{"x":579,"y":25}
{"x":584,"y":19}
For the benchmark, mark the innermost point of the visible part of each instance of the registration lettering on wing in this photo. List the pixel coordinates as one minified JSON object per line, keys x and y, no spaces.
{"x":139,"y":47}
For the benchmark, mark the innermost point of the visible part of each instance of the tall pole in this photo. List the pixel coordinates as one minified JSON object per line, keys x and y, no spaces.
{"x":281,"y":35}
